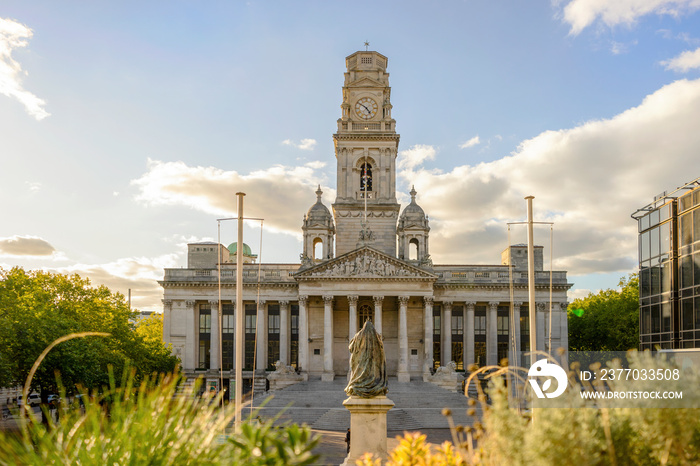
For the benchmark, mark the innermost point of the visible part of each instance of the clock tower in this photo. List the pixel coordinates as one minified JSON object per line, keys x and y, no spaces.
{"x":366,"y":146}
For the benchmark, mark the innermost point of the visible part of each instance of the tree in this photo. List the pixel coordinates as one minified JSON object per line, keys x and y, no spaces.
{"x":609,"y":321}
{"x":38,"y":307}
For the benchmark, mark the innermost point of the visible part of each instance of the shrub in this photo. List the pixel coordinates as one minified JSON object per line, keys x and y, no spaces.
{"x":153,"y":424}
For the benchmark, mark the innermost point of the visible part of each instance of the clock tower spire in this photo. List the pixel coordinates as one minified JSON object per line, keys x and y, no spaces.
{"x":366,"y":146}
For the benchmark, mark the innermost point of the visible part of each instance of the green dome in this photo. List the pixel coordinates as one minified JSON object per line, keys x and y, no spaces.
{"x":233,"y":247}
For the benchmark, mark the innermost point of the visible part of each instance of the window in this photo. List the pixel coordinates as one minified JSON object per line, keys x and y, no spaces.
{"x":503,"y":325}
{"x":366,"y":60}
{"x":366,"y":177}
{"x":204,"y":336}
{"x":364,"y":314}
{"x":479,"y":325}
{"x":318,"y":248}
{"x":413,"y":249}
{"x":250,"y":318}
{"x":294,"y":336}
{"x":437,"y":341}
{"x":458,"y":337}
{"x":227,"y":324}
{"x":273,"y":334}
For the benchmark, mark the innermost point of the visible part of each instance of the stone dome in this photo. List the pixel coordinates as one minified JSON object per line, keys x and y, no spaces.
{"x":413,"y":213}
{"x":319,"y":212}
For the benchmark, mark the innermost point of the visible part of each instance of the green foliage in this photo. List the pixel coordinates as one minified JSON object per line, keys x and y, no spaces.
{"x":610,"y":320}
{"x":585,"y":432}
{"x":154,"y":424}
{"x":38,"y":307}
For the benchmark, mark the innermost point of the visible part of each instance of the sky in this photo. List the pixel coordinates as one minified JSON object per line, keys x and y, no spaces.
{"x":126,"y":128}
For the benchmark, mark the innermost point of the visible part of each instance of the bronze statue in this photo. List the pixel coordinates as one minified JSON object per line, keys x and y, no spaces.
{"x":367,"y":364}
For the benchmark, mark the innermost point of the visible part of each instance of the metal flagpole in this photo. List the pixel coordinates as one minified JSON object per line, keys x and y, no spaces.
{"x":531,"y":280}
{"x":238,"y":419}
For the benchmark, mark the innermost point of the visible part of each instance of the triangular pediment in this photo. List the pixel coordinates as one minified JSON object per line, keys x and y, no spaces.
{"x":365,"y":263}
{"x":366,"y":82}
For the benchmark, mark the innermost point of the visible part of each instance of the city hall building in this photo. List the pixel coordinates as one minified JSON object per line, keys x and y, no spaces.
{"x":363,"y":258}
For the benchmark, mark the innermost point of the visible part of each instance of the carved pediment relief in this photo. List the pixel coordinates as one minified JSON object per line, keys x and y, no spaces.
{"x":365,"y":263}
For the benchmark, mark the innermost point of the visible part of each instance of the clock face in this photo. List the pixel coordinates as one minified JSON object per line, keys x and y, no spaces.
{"x":366,"y":108}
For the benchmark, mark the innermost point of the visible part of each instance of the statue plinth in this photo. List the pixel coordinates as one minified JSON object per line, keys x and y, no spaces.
{"x":367,"y":426}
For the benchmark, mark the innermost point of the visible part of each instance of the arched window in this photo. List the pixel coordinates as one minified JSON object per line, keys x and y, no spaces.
{"x":318,"y":248}
{"x":413,"y":250}
{"x":365,"y":314}
{"x":366,"y":177}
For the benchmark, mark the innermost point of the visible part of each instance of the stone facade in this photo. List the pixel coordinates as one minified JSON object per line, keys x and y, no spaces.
{"x":363,"y":261}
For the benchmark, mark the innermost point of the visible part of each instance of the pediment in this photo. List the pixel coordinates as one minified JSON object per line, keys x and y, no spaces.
{"x":365,"y":263}
{"x":366,"y":82}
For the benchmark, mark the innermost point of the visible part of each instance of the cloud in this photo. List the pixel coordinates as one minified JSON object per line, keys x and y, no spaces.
{"x":583,"y":13}
{"x":688,"y":60}
{"x":618,"y":48}
{"x":587,"y":180}
{"x":279,"y":194}
{"x":305,"y":144}
{"x":26,"y":246}
{"x":138,"y":274}
{"x":471,"y":143}
{"x":416,"y":155}
{"x":14,"y":35}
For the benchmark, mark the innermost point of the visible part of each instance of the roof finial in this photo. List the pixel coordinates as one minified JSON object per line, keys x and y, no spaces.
{"x":318,"y":193}
{"x":366,"y":46}
{"x":413,"y":194}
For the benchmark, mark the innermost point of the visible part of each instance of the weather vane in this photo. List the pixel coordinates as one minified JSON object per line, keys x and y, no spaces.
{"x":366,"y":46}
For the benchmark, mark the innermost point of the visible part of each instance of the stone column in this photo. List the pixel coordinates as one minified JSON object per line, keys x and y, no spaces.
{"x":284,"y":332}
{"x":303,"y":335}
{"x":515,"y":352}
{"x":191,"y":346}
{"x":446,"y":332}
{"x":402,"y":373}
{"x":215,"y":336}
{"x":427,"y":337}
{"x":352,"y":316}
{"x":328,"y":373}
{"x":261,"y":338}
{"x":492,"y":334}
{"x":378,"y":313}
{"x":468,"y":334}
{"x":167,"y":311}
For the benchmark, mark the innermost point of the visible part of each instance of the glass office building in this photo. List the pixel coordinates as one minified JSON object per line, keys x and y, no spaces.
{"x":669,"y":269}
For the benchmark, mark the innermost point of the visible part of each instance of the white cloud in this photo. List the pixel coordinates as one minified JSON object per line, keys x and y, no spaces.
{"x":583,"y":13}
{"x":305,"y":144}
{"x":471,"y":143}
{"x":579,"y":293}
{"x":688,"y":60}
{"x":138,"y":274}
{"x":14,"y":35}
{"x":618,"y":48}
{"x":587,"y":180}
{"x":26,"y":246}
{"x":278,"y":194}
{"x":33,"y":186}
{"x":416,"y":155}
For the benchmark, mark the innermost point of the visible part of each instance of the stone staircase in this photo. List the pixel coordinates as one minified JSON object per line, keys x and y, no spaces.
{"x":418,"y":405}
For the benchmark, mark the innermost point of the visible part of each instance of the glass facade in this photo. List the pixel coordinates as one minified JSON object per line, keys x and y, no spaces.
{"x":669,"y":270}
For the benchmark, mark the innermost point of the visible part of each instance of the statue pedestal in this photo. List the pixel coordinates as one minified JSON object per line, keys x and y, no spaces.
{"x":367,"y":426}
